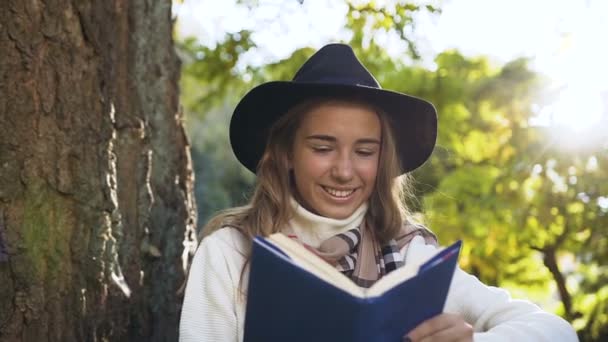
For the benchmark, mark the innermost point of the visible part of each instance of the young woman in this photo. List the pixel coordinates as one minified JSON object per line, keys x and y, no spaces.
{"x":331,"y":151}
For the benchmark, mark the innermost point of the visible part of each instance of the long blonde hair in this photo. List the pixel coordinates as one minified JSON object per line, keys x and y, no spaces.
{"x":267,"y":212}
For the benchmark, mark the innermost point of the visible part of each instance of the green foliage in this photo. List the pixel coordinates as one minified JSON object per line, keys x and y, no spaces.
{"x":367,"y":19}
{"x":220,"y":180}
{"x":209,"y":73}
{"x":510,"y":190}
{"x":516,"y":196}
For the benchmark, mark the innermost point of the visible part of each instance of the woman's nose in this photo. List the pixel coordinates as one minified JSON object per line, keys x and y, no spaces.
{"x":343,"y":169}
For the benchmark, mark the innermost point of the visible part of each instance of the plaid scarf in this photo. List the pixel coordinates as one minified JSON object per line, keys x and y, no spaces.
{"x":357,"y":254}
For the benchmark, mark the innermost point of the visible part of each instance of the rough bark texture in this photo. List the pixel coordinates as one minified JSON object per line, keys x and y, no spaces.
{"x":96,"y":205}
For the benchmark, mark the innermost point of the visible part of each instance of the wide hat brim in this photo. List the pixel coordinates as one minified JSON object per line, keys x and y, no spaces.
{"x":413,"y":120}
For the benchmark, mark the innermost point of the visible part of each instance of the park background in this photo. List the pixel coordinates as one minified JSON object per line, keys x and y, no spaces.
{"x":114,"y":148}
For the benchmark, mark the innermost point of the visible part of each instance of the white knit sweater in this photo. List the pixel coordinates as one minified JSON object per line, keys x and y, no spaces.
{"x":214,"y":309}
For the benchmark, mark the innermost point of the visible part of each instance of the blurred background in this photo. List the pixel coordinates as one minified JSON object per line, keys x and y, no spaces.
{"x":520,"y":171}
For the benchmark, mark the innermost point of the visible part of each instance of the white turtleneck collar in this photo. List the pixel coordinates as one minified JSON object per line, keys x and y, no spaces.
{"x":313,"y":229}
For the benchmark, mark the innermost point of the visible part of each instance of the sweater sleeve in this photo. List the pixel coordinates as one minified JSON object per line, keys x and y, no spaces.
{"x":494,"y":315}
{"x":209,"y":310}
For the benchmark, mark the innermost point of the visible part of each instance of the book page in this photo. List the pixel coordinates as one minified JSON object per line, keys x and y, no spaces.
{"x":390,"y":280}
{"x":315,"y":265}
{"x":323,"y":270}
{"x":400,"y":275}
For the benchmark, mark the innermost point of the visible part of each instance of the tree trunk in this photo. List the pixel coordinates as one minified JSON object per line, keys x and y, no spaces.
{"x":96,"y":208}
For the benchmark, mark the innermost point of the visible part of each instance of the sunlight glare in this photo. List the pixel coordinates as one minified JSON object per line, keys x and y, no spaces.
{"x":578,"y":109}
{"x":579,"y":65}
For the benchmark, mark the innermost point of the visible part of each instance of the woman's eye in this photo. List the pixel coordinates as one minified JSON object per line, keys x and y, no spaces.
{"x":321,"y":149}
{"x":366,"y":153}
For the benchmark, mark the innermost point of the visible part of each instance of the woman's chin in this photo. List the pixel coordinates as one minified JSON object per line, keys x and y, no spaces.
{"x":338,"y":212}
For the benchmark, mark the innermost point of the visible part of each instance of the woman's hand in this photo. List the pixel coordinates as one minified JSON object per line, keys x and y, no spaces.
{"x":444,"y":327}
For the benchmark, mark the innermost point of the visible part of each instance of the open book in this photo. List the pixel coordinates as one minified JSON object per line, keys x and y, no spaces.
{"x":294,"y":295}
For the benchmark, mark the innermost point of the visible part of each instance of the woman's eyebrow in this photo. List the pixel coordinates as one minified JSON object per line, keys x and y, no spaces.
{"x":368,"y":141}
{"x":330,"y":138}
{"x":321,"y":137}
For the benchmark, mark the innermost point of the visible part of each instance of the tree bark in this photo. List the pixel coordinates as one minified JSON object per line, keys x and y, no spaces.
{"x":97,"y":213}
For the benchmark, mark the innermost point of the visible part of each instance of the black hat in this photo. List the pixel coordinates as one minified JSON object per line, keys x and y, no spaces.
{"x":333,"y":71}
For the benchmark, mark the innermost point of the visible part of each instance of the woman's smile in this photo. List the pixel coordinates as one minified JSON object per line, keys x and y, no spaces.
{"x":340,"y":194}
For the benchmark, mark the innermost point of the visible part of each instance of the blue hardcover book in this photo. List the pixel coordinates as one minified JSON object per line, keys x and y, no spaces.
{"x":293,"y":295}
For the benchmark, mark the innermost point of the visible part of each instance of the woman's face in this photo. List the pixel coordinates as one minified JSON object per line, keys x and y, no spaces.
{"x":335,"y":158}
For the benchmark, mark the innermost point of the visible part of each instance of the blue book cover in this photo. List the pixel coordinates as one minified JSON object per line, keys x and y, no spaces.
{"x":290,"y":301}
